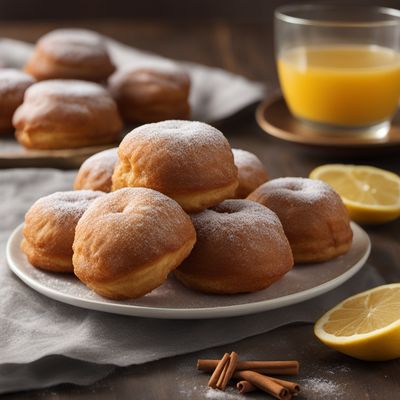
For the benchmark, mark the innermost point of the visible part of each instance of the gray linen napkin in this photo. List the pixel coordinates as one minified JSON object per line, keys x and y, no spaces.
{"x":43,"y":342}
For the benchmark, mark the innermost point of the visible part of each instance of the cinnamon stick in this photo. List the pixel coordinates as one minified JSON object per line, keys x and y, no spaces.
{"x":293,"y":387}
{"x":217,"y":371}
{"x":265,"y":383}
{"x":229,"y":371}
{"x":264,"y":367}
{"x":222,"y":375}
{"x":245,"y":387}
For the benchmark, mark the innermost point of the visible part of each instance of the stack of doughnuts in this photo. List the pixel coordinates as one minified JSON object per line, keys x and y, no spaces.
{"x":71,"y":61}
{"x":170,"y":199}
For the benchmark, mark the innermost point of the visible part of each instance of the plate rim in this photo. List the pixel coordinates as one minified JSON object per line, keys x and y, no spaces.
{"x":190,"y":313}
{"x":282,"y":134}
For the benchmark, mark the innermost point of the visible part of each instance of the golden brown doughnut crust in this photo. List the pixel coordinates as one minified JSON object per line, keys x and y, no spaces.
{"x":70,"y":54}
{"x":49,"y":228}
{"x":251,"y":172}
{"x":188,"y":161}
{"x":150,"y":95}
{"x":128,"y":241}
{"x":241,"y":247}
{"x":313,"y":215}
{"x":96,"y":172}
{"x":13,"y":84}
{"x":62,"y":114}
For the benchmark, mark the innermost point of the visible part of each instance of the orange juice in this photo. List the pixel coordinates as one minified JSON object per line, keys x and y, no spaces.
{"x":341,"y":85}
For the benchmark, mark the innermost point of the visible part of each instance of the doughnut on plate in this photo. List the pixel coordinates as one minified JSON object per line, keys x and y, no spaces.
{"x":173,"y":301}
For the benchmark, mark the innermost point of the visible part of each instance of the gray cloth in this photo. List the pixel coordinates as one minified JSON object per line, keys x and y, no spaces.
{"x":43,"y":342}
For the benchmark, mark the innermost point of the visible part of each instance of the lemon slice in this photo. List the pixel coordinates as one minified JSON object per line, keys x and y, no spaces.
{"x":365,"y":326}
{"x":371,"y":195}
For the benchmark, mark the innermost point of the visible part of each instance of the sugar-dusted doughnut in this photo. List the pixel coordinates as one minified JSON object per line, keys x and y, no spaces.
{"x":251,"y":172}
{"x":96,"y":172}
{"x":188,"y":161}
{"x":63,"y":114}
{"x":150,"y":94}
{"x":241,"y":247}
{"x":71,"y":54}
{"x":128,"y":242}
{"x":313,"y":216}
{"x":49,"y":228}
{"x":13,"y":84}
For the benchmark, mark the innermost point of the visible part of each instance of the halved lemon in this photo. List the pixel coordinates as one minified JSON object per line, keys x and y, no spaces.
{"x":365,"y":326}
{"x":372,"y":195}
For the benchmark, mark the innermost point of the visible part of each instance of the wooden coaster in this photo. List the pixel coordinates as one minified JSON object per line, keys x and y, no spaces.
{"x":274,"y":118}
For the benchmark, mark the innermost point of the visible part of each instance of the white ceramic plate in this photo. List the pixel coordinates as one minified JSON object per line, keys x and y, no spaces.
{"x":173,"y":300}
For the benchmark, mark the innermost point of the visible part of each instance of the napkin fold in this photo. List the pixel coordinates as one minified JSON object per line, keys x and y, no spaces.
{"x":44,"y":342}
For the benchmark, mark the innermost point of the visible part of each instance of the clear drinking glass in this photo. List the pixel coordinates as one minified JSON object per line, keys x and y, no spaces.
{"x":339,"y":66}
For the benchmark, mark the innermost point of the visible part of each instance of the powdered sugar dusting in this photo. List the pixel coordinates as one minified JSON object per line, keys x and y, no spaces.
{"x":251,"y":172}
{"x":76,"y":44}
{"x":11,"y":78}
{"x":182,"y":133}
{"x":309,"y":191}
{"x":67,"y":204}
{"x":245,"y":158}
{"x":128,"y":228}
{"x":234,"y":216}
{"x":245,"y":235}
{"x":171,"y":156}
{"x":104,"y":161}
{"x":66,"y":88}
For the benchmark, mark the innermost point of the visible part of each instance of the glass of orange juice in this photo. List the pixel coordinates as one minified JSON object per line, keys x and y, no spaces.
{"x":339,"y":66}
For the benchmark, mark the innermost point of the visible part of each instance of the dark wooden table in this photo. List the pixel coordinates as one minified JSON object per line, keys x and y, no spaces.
{"x":244,"y":48}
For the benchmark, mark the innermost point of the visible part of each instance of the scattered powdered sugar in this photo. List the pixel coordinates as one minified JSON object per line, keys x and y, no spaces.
{"x":323,"y":388}
{"x":342,"y":369}
{"x":189,"y":389}
{"x":229,"y":394}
